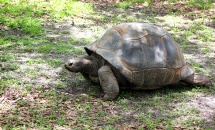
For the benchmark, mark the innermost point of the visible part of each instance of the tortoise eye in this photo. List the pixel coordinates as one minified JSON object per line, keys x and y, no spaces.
{"x":70,"y":64}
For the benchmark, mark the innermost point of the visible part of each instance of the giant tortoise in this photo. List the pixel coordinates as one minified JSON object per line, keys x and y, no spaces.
{"x":135,"y":56}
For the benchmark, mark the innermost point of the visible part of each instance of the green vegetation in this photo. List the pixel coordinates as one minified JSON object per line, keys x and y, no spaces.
{"x":127,"y":3}
{"x":206,"y":4}
{"x":201,"y":4}
{"x":38,"y":36}
{"x":27,"y":15}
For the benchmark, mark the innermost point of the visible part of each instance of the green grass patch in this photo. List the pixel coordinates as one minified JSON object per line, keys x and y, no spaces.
{"x":127,"y":3}
{"x":56,"y":48}
{"x":206,"y":4}
{"x":8,"y":41}
{"x":198,"y":68}
{"x":18,"y":16}
{"x":203,"y":33}
{"x":54,"y":62}
{"x":2,"y":86}
{"x":28,"y":16}
{"x":201,"y":4}
{"x":6,"y":56}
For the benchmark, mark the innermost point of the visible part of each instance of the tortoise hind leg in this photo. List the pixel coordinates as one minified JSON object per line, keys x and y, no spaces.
{"x":198,"y":80}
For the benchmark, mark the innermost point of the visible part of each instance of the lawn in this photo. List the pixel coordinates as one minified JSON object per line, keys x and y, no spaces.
{"x":38,"y":36}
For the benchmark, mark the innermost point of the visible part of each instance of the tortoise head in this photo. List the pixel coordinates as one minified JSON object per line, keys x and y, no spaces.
{"x":78,"y":64}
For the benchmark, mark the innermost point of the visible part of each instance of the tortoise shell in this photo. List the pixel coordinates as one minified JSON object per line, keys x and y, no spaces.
{"x":144,"y":54}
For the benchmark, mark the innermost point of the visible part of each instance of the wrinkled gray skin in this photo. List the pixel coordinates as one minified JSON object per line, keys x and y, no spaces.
{"x":99,"y":71}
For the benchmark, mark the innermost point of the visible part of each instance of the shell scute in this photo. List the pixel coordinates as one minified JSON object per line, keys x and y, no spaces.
{"x":138,"y":77}
{"x":150,"y":77}
{"x":117,"y":64}
{"x":174,"y":57}
{"x":154,"y":52}
{"x":169,"y":77}
{"x":131,"y":55}
{"x":105,"y":54}
{"x":110,"y":40}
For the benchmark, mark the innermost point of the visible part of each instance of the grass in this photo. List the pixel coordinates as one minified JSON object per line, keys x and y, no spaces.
{"x":201,"y":4}
{"x":28,"y":16}
{"x":127,"y":3}
{"x":207,"y":4}
{"x":36,"y":92}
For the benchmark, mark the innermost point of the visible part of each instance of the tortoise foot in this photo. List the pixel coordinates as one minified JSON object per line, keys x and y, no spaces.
{"x":199,"y":80}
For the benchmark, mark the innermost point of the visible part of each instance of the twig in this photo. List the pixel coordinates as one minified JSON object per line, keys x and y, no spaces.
{"x":2,"y":101}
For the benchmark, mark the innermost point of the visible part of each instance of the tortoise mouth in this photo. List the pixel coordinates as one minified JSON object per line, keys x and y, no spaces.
{"x":67,"y":67}
{"x":71,"y":68}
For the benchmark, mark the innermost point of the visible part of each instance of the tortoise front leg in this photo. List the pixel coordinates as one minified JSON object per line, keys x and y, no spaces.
{"x":108,"y":82}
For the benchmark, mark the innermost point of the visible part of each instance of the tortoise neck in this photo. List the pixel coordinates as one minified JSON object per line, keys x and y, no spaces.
{"x":93,"y":67}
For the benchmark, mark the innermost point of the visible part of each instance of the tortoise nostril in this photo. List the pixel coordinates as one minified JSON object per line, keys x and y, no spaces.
{"x":70,"y":64}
